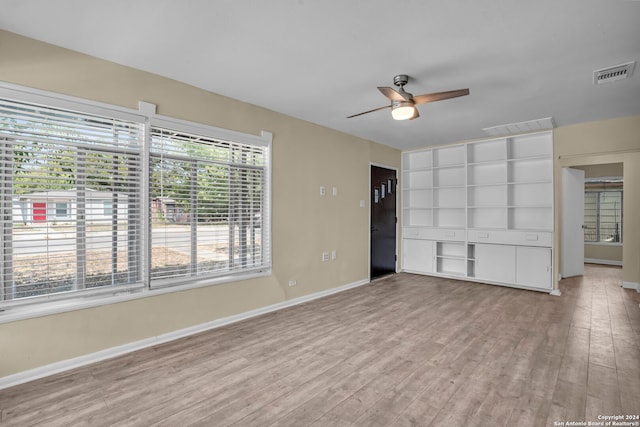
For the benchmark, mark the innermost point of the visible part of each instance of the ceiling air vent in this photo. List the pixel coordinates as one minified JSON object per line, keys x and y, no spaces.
{"x":521,"y":127}
{"x":612,"y":74}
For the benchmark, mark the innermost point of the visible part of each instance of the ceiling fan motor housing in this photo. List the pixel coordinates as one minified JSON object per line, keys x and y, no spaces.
{"x":401,"y":80}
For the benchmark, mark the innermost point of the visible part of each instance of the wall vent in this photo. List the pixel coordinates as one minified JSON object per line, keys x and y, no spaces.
{"x":521,"y":127}
{"x":612,"y":74}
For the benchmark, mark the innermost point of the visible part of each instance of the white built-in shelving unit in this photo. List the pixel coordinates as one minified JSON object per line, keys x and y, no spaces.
{"x":481,"y":211}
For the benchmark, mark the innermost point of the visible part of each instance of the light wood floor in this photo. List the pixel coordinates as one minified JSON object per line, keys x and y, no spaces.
{"x":405,"y":350}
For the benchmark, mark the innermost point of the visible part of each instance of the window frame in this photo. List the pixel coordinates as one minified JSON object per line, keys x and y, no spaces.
{"x":264,"y":140}
{"x":61,"y":207}
{"x":22,"y":308}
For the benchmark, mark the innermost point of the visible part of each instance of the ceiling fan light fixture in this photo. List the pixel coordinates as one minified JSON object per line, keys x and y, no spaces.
{"x":403,"y":104}
{"x":403,"y":110}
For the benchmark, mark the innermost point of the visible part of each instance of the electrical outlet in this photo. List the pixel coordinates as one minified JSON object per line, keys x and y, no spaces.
{"x":323,"y":190}
{"x":293,"y":282}
{"x":325,"y":256}
{"x":334,"y":254}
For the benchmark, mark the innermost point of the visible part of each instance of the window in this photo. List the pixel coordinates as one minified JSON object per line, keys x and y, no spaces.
{"x":143,"y":206}
{"x":49,"y":154}
{"x":62,"y":210}
{"x":207,"y":197}
{"x":107,"y":208}
{"x":603,"y":216}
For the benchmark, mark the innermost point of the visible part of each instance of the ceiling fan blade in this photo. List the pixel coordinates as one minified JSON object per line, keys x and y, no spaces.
{"x":370,"y":111}
{"x":416,"y":114}
{"x":439,"y":96}
{"x":393,"y":94}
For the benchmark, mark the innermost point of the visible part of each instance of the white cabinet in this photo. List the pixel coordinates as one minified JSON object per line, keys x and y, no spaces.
{"x":495,"y":263}
{"x":417,"y":255}
{"x":533,"y":267}
{"x":484,"y":207}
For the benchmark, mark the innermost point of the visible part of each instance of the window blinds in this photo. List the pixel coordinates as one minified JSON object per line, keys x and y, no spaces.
{"x":207,"y":205}
{"x":95,"y":200}
{"x":70,"y":200}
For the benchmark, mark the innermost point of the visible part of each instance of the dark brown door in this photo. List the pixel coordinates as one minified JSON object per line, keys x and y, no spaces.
{"x":383,"y":221}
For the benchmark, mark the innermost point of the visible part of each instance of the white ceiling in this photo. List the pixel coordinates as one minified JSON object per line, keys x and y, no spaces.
{"x":321,"y":60}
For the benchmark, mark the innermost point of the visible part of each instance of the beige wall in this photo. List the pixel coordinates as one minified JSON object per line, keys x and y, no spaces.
{"x":602,"y":171}
{"x":605,"y":253}
{"x":606,"y":142}
{"x":305,"y":156}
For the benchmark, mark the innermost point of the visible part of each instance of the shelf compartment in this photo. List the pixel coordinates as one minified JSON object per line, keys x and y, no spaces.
{"x":449,"y":217}
{"x":529,"y":170}
{"x":471,"y":268}
{"x":449,"y":177}
{"x":418,"y":179}
{"x":495,"y":195}
{"x":419,"y":198}
{"x":453,"y":267}
{"x":531,"y":218}
{"x":488,"y":151}
{"x":418,"y":218}
{"x":451,"y":250}
{"x":449,"y":156}
{"x":487,"y":173}
{"x":532,"y":145}
{"x":417,"y":160}
{"x":449,"y":197}
{"x":488,"y":217}
{"x":451,"y":258}
{"x":535,"y":193}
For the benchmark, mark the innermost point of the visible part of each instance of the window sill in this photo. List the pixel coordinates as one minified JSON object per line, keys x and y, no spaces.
{"x":17,"y":313}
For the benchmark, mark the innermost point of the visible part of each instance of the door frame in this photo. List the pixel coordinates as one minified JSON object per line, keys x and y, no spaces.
{"x":398,"y":222}
{"x":585,"y":160}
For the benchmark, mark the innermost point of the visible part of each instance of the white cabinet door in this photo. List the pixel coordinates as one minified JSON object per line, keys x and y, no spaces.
{"x":417,"y":255}
{"x":496,"y":263}
{"x":533,"y":267}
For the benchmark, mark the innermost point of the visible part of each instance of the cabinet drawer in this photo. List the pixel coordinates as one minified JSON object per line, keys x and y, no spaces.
{"x":450,"y":234}
{"x":505,"y":237}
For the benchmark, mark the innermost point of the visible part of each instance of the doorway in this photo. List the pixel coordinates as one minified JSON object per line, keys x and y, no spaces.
{"x":592,"y":224}
{"x":383,"y":222}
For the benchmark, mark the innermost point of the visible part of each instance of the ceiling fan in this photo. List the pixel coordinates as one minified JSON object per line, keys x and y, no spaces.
{"x":403,"y":104}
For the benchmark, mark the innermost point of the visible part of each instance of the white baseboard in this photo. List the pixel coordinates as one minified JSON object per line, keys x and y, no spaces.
{"x":76,"y":362}
{"x":602,"y":261}
{"x":555,"y":293}
{"x":631,"y":285}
